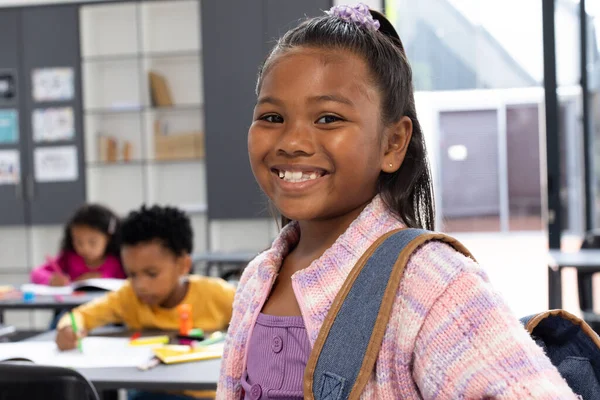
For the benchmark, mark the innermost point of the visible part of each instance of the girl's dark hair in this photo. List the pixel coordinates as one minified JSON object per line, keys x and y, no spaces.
{"x":97,"y":217}
{"x":408,"y":192}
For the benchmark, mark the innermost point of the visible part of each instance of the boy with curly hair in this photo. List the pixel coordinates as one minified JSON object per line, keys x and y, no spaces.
{"x":156,"y":249}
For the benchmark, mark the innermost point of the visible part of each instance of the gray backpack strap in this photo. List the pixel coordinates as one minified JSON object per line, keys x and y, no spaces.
{"x":348,"y":343}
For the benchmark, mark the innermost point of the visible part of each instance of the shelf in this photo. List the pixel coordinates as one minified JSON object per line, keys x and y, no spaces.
{"x":138,"y":109}
{"x":109,"y":29}
{"x":193,"y":209}
{"x":177,"y":108}
{"x":114,"y":164}
{"x":172,"y":54}
{"x":104,"y":164}
{"x":139,"y":56}
{"x":111,"y":58}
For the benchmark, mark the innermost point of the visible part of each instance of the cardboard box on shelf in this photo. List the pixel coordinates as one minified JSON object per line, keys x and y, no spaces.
{"x":159,"y":90}
{"x":179,"y":146}
{"x":127,"y":150}
{"x":107,"y":149}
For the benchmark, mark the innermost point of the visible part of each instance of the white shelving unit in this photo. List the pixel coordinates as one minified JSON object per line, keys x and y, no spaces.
{"x":120,"y":44}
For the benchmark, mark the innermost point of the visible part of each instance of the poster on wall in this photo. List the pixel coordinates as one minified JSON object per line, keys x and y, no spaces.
{"x":9,"y":126}
{"x":9,"y":167}
{"x":53,"y":84}
{"x":53,"y":124}
{"x":7,"y":86}
{"x":55,"y":164}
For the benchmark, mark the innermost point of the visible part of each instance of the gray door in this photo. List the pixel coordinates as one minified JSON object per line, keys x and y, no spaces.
{"x":469,"y":164}
{"x":51,"y":40}
{"x":12,"y":210}
{"x":523,"y":164}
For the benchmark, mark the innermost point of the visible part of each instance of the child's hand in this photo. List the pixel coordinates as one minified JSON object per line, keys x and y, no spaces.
{"x":59,"y":279}
{"x":66,"y":338}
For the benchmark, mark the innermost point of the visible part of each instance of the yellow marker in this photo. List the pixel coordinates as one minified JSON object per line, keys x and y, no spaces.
{"x":145,"y":341}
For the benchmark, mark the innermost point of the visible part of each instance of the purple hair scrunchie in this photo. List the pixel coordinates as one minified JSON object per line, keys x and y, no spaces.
{"x":358,"y":14}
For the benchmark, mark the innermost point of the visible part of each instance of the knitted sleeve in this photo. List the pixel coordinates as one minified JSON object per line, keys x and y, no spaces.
{"x":471,"y":346}
{"x":229,"y":367}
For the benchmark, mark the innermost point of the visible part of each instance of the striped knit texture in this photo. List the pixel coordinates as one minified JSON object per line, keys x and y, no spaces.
{"x":450,"y":336}
{"x":278,"y":369}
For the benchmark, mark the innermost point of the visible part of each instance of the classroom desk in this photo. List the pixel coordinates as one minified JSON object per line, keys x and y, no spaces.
{"x":585,"y":260}
{"x":55,"y":303}
{"x":200,"y":375}
{"x":218,"y":260}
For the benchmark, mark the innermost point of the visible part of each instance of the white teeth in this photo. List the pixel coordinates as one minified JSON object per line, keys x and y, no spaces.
{"x":297,"y":176}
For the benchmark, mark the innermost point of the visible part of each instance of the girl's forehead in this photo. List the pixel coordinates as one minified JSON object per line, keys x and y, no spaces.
{"x":316,"y":57}
{"x":84,"y":230}
{"x":306,"y":68}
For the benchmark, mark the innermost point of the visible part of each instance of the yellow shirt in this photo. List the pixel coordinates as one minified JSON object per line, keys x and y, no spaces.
{"x":211,"y":300}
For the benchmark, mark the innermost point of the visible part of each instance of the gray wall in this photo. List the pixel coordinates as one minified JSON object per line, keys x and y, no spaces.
{"x":236,"y":37}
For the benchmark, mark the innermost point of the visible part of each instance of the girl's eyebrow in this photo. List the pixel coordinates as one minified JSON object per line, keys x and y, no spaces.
{"x":269,"y":100}
{"x":331,"y":97}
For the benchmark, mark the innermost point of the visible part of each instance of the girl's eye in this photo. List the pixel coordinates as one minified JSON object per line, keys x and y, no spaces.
{"x":328,"y":119}
{"x":272,"y":118}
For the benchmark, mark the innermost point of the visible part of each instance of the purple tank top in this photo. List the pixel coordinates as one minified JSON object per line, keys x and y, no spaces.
{"x":277,"y":355}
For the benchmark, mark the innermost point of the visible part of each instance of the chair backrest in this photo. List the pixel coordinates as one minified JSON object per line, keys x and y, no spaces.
{"x":585,"y":289}
{"x":591,"y":240}
{"x":24,"y":380}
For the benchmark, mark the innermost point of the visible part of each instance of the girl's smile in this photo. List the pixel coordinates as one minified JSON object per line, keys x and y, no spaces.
{"x":297,"y":178}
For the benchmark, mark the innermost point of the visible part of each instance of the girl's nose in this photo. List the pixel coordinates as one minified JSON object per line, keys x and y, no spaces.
{"x":296,"y":140}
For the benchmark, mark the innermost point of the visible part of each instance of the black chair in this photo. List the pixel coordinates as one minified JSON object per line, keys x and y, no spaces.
{"x":24,"y":380}
{"x":591,"y":240}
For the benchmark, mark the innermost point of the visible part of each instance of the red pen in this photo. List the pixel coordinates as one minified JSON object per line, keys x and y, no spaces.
{"x":136,"y":335}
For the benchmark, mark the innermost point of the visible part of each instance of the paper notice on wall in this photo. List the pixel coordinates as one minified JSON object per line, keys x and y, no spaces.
{"x":10,"y":167}
{"x":53,"y":84}
{"x":53,"y":124}
{"x":9,"y":126}
{"x":56,"y":164}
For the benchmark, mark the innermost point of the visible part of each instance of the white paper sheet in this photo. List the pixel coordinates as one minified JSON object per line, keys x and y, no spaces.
{"x":45,"y":290}
{"x":53,"y":124}
{"x":108,"y":284}
{"x":56,"y":164}
{"x":97,"y":352}
{"x":10,"y":167}
{"x":53,"y":84}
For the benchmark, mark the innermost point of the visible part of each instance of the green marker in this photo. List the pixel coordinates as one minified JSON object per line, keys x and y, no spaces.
{"x":74,"y":327}
{"x":214,"y":338}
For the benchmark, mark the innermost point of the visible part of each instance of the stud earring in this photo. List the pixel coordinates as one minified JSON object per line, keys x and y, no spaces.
{"x":391,"y":165}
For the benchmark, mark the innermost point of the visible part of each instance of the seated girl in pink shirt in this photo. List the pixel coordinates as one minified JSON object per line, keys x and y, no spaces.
{"x":89,"y":249}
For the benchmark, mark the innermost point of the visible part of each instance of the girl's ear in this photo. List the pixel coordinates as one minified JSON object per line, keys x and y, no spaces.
{"x":398,"y":138}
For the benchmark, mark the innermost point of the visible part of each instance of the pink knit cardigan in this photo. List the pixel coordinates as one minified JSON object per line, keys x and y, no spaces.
{"x":450,"y":335}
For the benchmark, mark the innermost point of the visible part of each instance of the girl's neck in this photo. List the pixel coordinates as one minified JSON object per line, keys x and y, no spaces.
{"x":318,"y":235}
{"x":95,"y":263}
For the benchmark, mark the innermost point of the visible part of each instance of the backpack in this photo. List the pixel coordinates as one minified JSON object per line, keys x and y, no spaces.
{"x":364,"y":304}
{"x":572,"y":346}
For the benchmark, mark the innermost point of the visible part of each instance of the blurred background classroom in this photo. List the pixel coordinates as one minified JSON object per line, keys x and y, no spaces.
{"x":130,"y":102}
